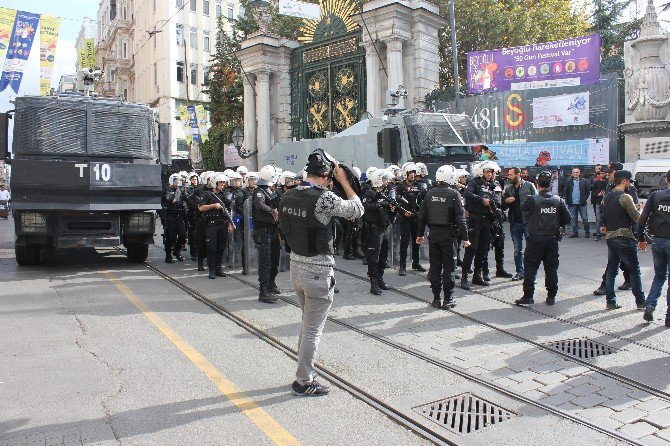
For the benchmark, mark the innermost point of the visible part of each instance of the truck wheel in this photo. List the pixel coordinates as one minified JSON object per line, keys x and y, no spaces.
{"x":27,"y":255}
{"x":137,"y":252}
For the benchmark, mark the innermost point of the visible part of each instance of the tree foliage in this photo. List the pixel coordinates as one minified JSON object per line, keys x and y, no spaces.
{"x":490,"y":24}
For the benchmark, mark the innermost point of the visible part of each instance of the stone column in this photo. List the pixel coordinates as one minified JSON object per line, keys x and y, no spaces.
{"x":394,"y":66}
{"x":249,"y":118}
{"x":373,"y":103}
{"x":263,"y":113}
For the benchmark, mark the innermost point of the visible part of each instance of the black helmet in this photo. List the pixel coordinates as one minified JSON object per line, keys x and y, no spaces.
{"x":320,"y":163}
{"x":544,"y":179}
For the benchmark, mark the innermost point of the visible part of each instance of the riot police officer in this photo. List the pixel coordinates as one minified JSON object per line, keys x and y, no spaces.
{"x":191,"y":215}
{"x":480,"y":206}
{"x":497,"y":232}
{"x":217,"y":224}
{"x":175,"y":219}
{"x":546,"y":215}
{"x":266,"y":233}
{"x":442,"y":210}
{"x":408,"y":195}
{"x":379,"y":214}
{"x":656,"y":213}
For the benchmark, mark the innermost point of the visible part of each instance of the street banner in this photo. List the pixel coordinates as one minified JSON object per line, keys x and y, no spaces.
{"x":193,"y":124}
{"x":185,"y":122}
{"x":87,"y":54}
{"x":7,"y":18}
{"x":553,"y":153}
{"x":303,"y":10}
{"x":231,"y":156}
{"x":561,"y":111}
{"x":49,"y":27}
{"x":201,"y":116}
{"x":560,"y":63}
{"x":20,"y":44}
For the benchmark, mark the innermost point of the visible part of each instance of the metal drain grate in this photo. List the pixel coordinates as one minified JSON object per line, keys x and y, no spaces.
{"x":464,"y":413}
{"x":583,"y":348}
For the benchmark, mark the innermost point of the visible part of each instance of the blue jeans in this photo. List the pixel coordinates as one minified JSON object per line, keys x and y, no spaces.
{"x":660,"y":249}
{"x":624,"y":250}
{"x":583,"y":211}
{"x":596,"y":211}
{"x":519,"y":232}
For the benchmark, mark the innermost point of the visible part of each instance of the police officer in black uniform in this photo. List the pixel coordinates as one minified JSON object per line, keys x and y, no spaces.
{"x":266,"y":233}
{"x":656,"y":217}
{"x":408,"y":192}
{"x":442,"y":210}
{"x":480,"y":207}
{"x":175,"y":219}
{"x":217,"y":224}
{"x":546,"y":214}
{"x":497,"y":232}
{"x":191,"y":215}
{"x":379,"y":214}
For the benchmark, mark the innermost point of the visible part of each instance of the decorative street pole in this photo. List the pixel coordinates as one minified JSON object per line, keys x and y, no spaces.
{"x":454,"y":55}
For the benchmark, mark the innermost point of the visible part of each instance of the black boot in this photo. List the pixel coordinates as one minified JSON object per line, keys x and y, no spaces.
{"x":486,"y":277}
{"x":500,"y":272}
{"x":551,"y":299}
{"x":219,"y":272}
{"x":265,"y":296}
{"x":465,"y":283}
{"x":449,"y":302}
{"x":273,"y":288}
{"x":600,"y":291}
{"x":178,"y":256}
{"x":201,"y":266}
{"x":374,"y":287}
{"x":437,"y":302}
{"x":382,"y":284}
{"x":402,"y":271}
{"x":418,"y":267}
{"x":212,"y":273}
{"x":168,"y":258}
{"x":525,"y":300}
{"x":478,"y":280}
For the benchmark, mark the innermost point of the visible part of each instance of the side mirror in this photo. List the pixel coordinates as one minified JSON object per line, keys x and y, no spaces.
{"x":391,"y":145}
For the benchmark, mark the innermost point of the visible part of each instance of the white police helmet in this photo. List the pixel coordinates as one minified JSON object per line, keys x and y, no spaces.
{"x":242,"y":170}
{"x":447,"y":174}
{"x":173,"y":177}
{"x":193,"y":174}
{"x":267,"y":176}
{"x":234,"y":176}
{"x":369,"y":172}
{"x":286,"y":175}
{"x":407,"y":168}
{"x":377,"y":177}
{"x":219,"y":177}
{"x":421,"y":169}
{"x":490,"y":165}
{"x":357,"y":171}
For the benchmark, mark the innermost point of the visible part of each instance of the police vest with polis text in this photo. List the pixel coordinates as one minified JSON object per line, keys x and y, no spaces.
{"x":306,"y":235}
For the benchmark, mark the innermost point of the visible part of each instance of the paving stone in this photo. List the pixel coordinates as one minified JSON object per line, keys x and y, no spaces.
{"x":611,"y":392}
{"x":557,"y":388}
{"x":664,"y":434}
{"x":503,"y":372}
{"x":653,"y":405}
{"x":584,"y":389}
{"x":525,"y":386}
{"x":596,"y":413}
{"x":637,"y":430}
{"x":526,"y":375}
{"x":570,"y":407}
{"x":659,"y":419}
{"x":557,"y":400}
{"x":585,"y":378}
{"x":547,"y":368}
{"x":534,"y":394}
{"x":477,"y":371}
{"x":629,"y":415}
{"x":550,"y":378}
{"x":620,"y":403}
{"x":505,"y":382}
{"x":653,"y":440}
{"x":591,"y":400}
{"x":640,"y":395}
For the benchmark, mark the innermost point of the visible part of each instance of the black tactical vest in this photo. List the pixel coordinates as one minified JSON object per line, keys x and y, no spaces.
{"x":544,"y":220}
{"x":214,"y":213}
{"x":306,"y":235}
{"x":616,"y":215}
{"x":380,"y":216}
{"x":263,"y":218}
{"x":441,"y":206}
{"x":659,"y":224}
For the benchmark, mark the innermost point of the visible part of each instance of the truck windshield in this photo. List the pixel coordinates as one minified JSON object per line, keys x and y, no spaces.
{"x":434,"y":134}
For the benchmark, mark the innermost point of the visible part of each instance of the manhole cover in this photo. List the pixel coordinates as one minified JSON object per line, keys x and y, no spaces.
{"x":464,"y":413}
{"x":581,"y":348}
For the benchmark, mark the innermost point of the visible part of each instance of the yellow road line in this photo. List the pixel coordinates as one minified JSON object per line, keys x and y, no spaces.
{"x":275,"y":432}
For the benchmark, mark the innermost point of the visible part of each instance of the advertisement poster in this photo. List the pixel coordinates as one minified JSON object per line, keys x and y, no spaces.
{"x":49,"y":27}
{"x":185,"y":122}
{"x":193,"y":123}
{"x":87,"y":54}
{"x":20,"y":44}
{"x":553,"y":153}
{"x":560,"y":111}
{"x":201,"y":116}
{"x":541,"y":65}
{"x":7,"y":18}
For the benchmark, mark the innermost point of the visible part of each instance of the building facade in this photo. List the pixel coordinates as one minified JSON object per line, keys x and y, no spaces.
{"x":159,"y":52}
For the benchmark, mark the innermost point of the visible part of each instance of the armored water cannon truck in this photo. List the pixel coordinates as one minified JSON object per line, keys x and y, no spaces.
{"x":434,"y":139}
{"x":86,"y":173}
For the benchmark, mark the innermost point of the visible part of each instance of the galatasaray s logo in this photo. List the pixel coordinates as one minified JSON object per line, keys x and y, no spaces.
{"x":514,"y":116}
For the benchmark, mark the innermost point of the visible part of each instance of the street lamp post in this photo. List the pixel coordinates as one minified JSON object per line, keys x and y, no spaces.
{"x":454,"y":55}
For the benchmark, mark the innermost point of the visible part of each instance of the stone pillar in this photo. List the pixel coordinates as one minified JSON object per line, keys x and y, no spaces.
{"x":263,"y":113}
{"x":394,"y":66}
{"x":373,"y":88}
{"x":249,"y":118}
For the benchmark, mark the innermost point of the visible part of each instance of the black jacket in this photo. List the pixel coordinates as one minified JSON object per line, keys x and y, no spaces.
{"x":584,"y":191}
